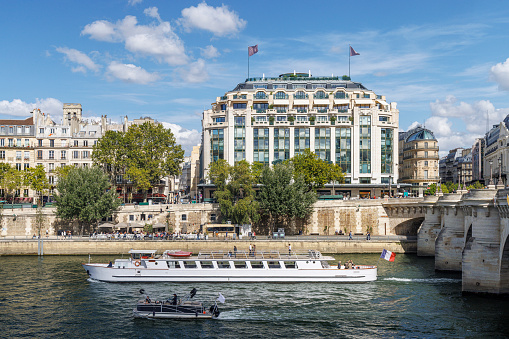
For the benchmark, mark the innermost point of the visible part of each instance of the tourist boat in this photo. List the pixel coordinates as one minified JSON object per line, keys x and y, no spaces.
{"x":174,"y":308}
{"x":240,"y":266}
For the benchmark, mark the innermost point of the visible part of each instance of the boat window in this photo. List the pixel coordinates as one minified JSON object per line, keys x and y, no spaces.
{"x":173,"y":264}
{"x":223,"y":264}
{"x":190,"y":264}
{"x":206,"y":264}
{"x":290,"y":264}
{"x":256,"y":264}
{"x":240,"y":264}
{"x":274,"y":264}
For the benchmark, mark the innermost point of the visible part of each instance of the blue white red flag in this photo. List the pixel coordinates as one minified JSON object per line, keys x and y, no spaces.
{"x":388,"y":255}
{"x":252,"y":50}
{"x":353,"y":52}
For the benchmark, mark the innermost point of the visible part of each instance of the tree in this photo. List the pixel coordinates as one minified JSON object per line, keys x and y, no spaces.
{"x":316,"y":172}
{"x":10,"y":180}
{"x":235,"y":193}
{"x":146,"y":153}
{"x":83,"y":196}
{"x":284,"y":195}
{"x":36,"y":179}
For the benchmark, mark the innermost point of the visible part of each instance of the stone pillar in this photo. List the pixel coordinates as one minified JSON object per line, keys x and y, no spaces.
{"x":450,"y":241}
{"x":430,"y":227}
{"x":481,"y":256}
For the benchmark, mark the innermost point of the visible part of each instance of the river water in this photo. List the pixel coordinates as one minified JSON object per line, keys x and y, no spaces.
{"x":52,"y":297}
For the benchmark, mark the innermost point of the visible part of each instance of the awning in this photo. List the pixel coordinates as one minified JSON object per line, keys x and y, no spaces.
{"x":382,"y":102}
{"x":363,"y":101}
{"x":106,"y":225}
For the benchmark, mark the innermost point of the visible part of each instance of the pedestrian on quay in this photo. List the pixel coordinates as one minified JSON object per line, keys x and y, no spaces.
{"x":368,"y":236}
{"x":254,"y":250}
{"x":339,"y":265}
{"x":289,"y":249}
{"x":235,"y":251}
{"x":350,"y":236}
{"x":250,"y":249}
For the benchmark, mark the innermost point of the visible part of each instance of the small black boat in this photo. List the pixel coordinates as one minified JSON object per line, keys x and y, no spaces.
{"x":175,"y":308}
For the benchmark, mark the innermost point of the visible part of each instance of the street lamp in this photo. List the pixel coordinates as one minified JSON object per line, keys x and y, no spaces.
{"x":499,"y":170}
{"x":390,"y":192}
{"x":491,"y":172}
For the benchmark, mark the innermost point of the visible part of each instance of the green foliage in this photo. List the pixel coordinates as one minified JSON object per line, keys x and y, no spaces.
{"x":283,"y":195}
{"x":10,"y":180}
{"x":235,"y":193}
{"x":476,"y":185}
{"x":40,"y":219}
{"x":36,"y":179}
{"x":312,"y":118}
{"x":146,"y":153}
{"x":432,"y":189}
{"x":83,"y":196}
{"x":333,"y":118}
{"x":316,"y":172}
{"x":291,"y":118}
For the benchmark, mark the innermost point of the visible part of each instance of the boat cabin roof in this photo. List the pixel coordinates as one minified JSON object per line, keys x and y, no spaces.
{"x":142,"y":252}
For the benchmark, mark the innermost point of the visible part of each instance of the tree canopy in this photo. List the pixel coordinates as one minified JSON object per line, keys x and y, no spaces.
{"x":235,"y":193}
{"x":83,"y":196}
{"x":145,"y":153}
{"x":36,"y":179}
{"x":316,"y":172}
{"x":10,"y":180}
{"x":283,"y":194}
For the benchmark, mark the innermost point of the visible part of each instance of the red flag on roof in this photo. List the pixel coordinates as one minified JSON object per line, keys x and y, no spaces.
{"x":353,"y":52}
{"x":252,"y":50}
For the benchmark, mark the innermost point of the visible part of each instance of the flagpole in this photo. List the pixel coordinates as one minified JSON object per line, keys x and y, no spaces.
{"x":248,"y":62}
{"x":349,"y":56}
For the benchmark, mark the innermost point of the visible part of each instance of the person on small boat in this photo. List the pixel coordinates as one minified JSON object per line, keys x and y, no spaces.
{"x":175,"y":299}
{"x":147,"y":300}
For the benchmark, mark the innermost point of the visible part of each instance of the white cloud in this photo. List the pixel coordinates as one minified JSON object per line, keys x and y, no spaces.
{"x":134,"y":2}
{"x":500,"y":74}
{"x":209,"y":52}
{"x":195,"y":72}
{"x":130,"y":73}
{"x":80,"y":58}
{"x":156,"y":40}
{"x":474,"y":115}
{"x":186,"y":138}
{"x":101,"y":30}
{"x":17,"y":107}
{"x":218,"y":20}
{"x":152,"y":12}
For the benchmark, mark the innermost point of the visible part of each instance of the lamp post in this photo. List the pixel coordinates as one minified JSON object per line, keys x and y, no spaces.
{"x":499,"y":183}
{"x":491,"y":172}
{"x":390,"y":192}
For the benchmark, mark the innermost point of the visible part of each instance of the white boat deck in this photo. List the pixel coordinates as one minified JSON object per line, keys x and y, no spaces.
{"x":260,"y":255}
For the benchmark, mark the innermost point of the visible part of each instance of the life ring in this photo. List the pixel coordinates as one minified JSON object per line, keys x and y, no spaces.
{"x":136,"y":263}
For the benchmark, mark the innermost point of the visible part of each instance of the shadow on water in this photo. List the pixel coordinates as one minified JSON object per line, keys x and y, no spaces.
{"x":52,"y":297}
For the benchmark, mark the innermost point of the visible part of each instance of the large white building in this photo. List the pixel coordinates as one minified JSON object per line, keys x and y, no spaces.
{"x":268,"y":119}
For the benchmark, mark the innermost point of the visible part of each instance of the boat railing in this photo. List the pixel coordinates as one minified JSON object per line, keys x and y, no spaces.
{"x":260,"y":255}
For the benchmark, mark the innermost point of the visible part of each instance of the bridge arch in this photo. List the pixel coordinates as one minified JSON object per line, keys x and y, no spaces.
{"x":504,"y":268}
{"x":409,"y":227}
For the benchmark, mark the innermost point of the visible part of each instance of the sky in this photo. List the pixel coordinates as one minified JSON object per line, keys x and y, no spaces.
{"x":445,"y":63}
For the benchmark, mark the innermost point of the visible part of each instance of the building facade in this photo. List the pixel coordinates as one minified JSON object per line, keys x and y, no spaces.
{"x":41,"y":141}
{"x":418,"y":159}
{"x":478,"y":160}
{"x":268,"y":119}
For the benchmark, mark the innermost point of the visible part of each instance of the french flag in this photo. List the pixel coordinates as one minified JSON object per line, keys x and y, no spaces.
{"x":388,"y":255}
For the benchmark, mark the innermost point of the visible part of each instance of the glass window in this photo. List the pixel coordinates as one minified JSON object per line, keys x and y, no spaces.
{"x":223,"y":264}
{"x":190,"y":264}
{"x":256,"y":264}
{"x":365,"y":143}
{"x":173,"y":264}
{"x":290,"y":264}
{"x":240,"y":264}
{"x":273,"y":264}
{"x":206,"y":264}
{"x":184,"y":217}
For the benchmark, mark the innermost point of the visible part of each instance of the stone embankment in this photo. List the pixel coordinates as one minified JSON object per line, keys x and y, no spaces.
{"x":107,"y":247}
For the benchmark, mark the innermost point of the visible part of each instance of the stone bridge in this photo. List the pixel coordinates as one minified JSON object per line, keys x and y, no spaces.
{"x":468,"y":232}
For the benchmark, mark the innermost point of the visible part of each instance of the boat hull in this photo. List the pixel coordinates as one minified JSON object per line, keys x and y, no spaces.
{"x":102,"y":272}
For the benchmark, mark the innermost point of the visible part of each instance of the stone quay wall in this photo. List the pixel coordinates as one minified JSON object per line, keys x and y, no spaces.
{"x":327,"y":218}
{"x":107,"y":247}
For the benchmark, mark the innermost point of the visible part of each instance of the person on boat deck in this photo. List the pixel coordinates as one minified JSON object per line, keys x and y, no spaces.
{"x":339,"y":264}
{"x":147,"y":299}
{"x":110,"y":264}
{"x":175,"y":299}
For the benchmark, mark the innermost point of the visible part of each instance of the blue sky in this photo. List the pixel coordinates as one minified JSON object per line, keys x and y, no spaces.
{"x":444,"y":62}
